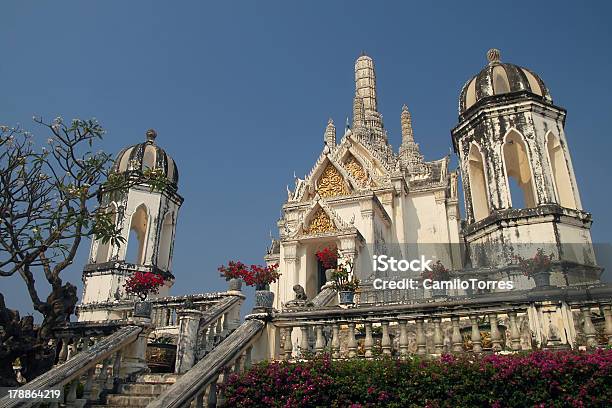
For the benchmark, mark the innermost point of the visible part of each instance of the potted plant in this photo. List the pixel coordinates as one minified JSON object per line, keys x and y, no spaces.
{"x":438,"y":273}
{"x":345,"y":283}
{"x":261,"y":277}
{"x":329,"y":259}
{"x":142,"y":284}
{"x":233,"y":273}
{"x":161,"y":354}
{"x":537,"y":267}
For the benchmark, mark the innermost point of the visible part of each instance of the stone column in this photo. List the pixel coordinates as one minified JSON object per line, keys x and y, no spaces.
{"x":368,"y":342}
{"x":335,"y":343}
{"x":288,"y":347}
{"x":386,"y":340}
{"x":133,"y":356}
{"x":495,"y":334}
{"x":403,"y":339}
{"x":319,"y":339}
{"x":352,"y":342}
{"x":438,"y":340}
{"x":186,"y":346}
{"x":515,"y":335}
{"x":476,"y":340}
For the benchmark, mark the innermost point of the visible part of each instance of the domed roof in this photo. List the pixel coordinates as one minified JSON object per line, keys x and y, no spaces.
{"x":144,"y":156}
{"x":499,"y":78}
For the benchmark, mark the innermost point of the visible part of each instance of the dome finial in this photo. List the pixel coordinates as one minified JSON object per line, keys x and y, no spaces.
{"x":493,"y":55}
{"x":151,"y":135}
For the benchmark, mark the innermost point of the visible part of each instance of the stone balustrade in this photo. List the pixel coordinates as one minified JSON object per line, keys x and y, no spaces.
{"x":198,"y":387}
{"x":552,"y":318}
{"x":96,"y":356}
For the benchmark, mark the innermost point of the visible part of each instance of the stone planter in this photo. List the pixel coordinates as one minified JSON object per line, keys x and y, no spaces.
{"x":541,"y":279}
{"x":329,"y":274}
{"x":161,"y":357}
{"x":346,"y":297}
{"x":264,"y":299}
{"x":142,"y":309}
{"x":234,"y":284}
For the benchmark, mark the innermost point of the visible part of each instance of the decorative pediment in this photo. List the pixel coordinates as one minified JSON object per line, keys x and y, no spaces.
{"x":320,"y":223}
{"x":331,"y":183}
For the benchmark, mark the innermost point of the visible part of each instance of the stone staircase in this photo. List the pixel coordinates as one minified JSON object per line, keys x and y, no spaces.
{"x":139,"y":393}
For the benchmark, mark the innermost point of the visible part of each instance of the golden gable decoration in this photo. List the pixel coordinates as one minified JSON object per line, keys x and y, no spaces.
{"x":320,"y":223}
{"x":331,"y":183}
{"x":356,"y":170}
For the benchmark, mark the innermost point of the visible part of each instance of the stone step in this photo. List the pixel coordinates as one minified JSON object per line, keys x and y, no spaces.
{"x":144,"y":389}
{"x":129,"y":400}
{"x":165,"y":378}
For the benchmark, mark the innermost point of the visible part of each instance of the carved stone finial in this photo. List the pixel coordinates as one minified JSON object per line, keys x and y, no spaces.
{"x":151,"y":135}
{"x":493,"y":55}
{"x":330,"y":134}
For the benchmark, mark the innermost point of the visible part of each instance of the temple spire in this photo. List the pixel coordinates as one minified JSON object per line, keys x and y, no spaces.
{"x":358,"y":112}
{"x":330,"y":133}
{"x":365,"y":89}
{"x":406,"y":120}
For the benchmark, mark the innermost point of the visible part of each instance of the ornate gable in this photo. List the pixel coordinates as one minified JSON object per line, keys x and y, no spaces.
{"x":331,"y":183}
{"x":320,"y":223}
{"x":320,"y":219}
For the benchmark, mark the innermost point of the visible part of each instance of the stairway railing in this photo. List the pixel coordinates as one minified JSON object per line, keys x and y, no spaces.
{"x":99,"y":364}
{"x":199,"y":384}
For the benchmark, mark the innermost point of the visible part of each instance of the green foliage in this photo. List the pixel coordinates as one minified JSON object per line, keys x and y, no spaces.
{"x":543,"y":378}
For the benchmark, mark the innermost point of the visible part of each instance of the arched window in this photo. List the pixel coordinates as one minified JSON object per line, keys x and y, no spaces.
{"x":165,"y":242}
{"x":478,"y":183}
{"x":518,"y":170}
{"x":560,"y":172}
{"x":138,"y":232}
{"x":103,"y":252}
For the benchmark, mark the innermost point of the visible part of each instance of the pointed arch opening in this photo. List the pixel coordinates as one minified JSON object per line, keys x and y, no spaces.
{"x":138,"y":232}
{"x":560,"y":172}
{"x":165,"y":242}
{"x":518,"y":171}
{"x":478,"y":183}
{"x":104,"y":248}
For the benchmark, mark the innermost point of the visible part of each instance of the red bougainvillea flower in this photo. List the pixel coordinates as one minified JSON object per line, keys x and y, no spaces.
{"x":254,"y":275}
{"x":143,"y":283}
{"x":328,"y":257}
{"x":233,"y":270}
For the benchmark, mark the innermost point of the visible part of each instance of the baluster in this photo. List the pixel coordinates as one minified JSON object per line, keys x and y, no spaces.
{"x":288,"y":348}
{"x":225,"y":330}
{"x":368,"y":342}
{"x":72,"y":393}
{"x":437,"y":338}
{"x":63,"y":354}
{"x":199,"y":401}
{"x":320,"y":340}
{"x":607,"y":311}
{"x":456,"y":339}
{"x":495,"y":334}
{"x":589,"y":330}
{"x":403,"y":339}
{"x":476,"y":339}
{"x":386,"y":340}
{"x":87,"y":389}
{"x":72,"y":349}
{"x":335,"y":340}
{"x":421,"y":341}
{"x":221,"y":398}
{"x":238,"y":366}
{"x":212,"y":392}
{"x":515,"y":335}
{"x":210,"y":342}
{"x":103,"y":375}
{"x":303,"y":340}
{"x":352,"y":342}
{"x":218,"y":330}
{"x":116,"y":369}
{"x":247,"y":358}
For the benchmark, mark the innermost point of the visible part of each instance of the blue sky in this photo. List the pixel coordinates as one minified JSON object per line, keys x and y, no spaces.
{"x":240,"y":93}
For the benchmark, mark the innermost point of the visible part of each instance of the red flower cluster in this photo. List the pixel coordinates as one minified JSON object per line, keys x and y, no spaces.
{"x":539,"y":263}
{"x":233,"y":270}
{"x":438,"y":273}
{"x":254,"y":275}
{"x":143,"y":283}
{"x":328,"y":257}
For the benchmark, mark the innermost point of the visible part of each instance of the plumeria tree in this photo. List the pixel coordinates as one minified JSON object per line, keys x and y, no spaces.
{"x":49,"y":187}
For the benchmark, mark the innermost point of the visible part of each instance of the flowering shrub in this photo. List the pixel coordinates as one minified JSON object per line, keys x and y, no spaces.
{"x":328,"y":257}
{"x":233,"y":270}
{"x":537,"y":379}
{"x":143,"y":283}
{"x":254,"y":275}
{"x":438,"y":272}
{"x":261,"y":276}
{"x":539,"y":263}
{"x":342,"y":279}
